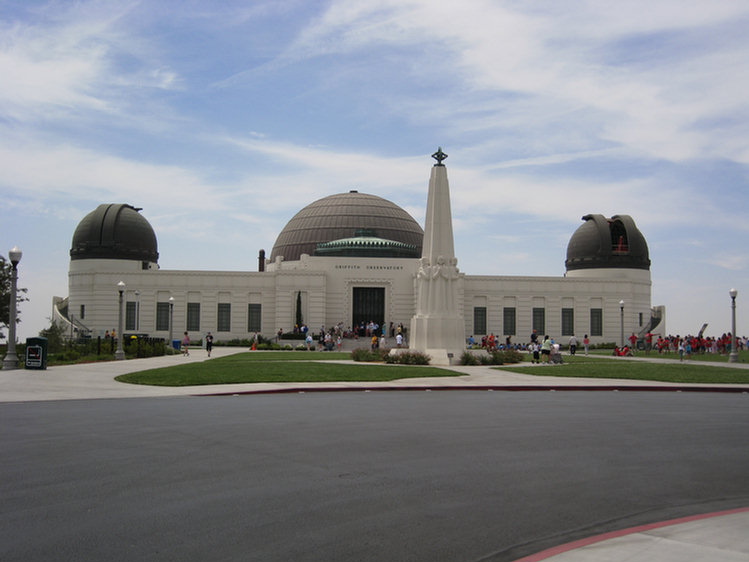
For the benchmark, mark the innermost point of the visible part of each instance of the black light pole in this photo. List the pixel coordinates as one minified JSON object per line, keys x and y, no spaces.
{"x":11,"y":359}
{"x":171,"y":319}
{"x":733,"y":357}
{"x":120,"y":354}
{"x":137,"y":310}
{"x":621,"y":313}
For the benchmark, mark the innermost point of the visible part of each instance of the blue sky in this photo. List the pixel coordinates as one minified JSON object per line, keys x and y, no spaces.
{"x":222,"y":121}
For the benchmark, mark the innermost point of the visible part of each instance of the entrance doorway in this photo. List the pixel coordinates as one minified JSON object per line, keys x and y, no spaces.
{"x":368,"y":305}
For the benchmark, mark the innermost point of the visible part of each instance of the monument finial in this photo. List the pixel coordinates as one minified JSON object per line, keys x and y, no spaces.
{"x":439,"y":156}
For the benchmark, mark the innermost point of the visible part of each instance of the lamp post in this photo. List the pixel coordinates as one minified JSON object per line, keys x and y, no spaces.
{"x":171,"y":319}
{"x":120,"y":354}
{"x":734,"y":355}
{"x":137,"y":310}
{"x":11,"y":359}
{"x":621,"y":318}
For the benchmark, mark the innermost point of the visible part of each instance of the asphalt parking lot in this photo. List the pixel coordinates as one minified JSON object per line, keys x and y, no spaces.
{"x":468,"y":475}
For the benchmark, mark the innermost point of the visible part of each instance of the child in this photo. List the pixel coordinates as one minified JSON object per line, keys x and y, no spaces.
{"x":533,"y":347}
{"x":185,"y":343}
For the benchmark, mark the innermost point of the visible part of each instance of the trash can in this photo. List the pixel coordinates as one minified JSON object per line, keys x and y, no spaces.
{"x":177,"y":344}
{"x":36,"y":353}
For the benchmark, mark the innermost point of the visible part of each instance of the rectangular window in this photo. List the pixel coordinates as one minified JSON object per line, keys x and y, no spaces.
{"x":162,"y":316}
{"x":83,"y":312}
{"x":193,"y":316}
{"x":479,"y":320}
{"x":508,"y":320}
{"x":596,"y":321}
{"x":254,"y":317}
{"x":640,"y":319}
{"x":130,"y":310}
{"x":539,"y":320}
{"x":568,"y":321}
{"x":224,"y":317}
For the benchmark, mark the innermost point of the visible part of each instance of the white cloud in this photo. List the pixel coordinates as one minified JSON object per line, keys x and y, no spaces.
{"x":69,"y":64}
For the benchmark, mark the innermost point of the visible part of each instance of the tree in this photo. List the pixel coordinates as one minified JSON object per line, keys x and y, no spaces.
{"x":6,"y":271}
{"x":54,"y":335}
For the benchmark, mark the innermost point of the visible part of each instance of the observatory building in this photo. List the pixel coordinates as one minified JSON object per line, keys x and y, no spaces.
{"x":351,"y":258}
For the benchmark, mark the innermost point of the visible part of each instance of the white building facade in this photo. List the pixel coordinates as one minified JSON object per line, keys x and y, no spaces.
{"x":350,"y":258}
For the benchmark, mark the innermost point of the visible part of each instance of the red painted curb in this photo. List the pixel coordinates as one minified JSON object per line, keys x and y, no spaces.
{"x":516,"y":388}
{"x":548,"y":553}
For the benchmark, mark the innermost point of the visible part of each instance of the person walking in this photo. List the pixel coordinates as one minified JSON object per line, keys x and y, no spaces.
{"x":533,"y":348}
{"x":209,"y":343}
{"x":573,"y":344}
{"x":586,"y":344}
{"x":185,"y":343}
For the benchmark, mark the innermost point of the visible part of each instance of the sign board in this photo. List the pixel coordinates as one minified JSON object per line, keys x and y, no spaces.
{"x":34,"y":356}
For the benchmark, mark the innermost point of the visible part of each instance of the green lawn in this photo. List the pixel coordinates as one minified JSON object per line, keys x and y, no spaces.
{"x":283,"y":366}
{"x":600,"y":368}
{"x":710,"y":357}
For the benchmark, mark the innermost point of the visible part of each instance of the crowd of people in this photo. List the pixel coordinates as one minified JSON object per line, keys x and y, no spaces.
{"x":684,"y":346}
{"x":332,"y":337}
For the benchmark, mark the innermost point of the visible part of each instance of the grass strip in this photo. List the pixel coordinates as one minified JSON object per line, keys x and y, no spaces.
{"x":637,"y":370}
{"x":237,"y":369}
{"x":265,"y":356}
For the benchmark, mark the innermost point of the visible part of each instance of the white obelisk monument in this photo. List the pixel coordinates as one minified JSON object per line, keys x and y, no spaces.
{"x":438,"y":328}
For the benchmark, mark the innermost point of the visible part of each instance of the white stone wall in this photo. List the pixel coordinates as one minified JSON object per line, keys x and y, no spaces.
{"x":327,"y":285}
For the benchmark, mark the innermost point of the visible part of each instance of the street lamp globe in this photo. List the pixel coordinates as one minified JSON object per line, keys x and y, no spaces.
{"x":15,"y":255}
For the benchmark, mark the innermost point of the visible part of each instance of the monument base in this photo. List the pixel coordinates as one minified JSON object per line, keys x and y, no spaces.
{"x":439,"y":337}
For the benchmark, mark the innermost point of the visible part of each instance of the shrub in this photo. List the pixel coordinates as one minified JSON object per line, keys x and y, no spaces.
{"x":469,"y":359}
{"x":292,"y":336}
{"x":368,"y":356}
{"x":496,"y":357}
{"x":408,"y":358}
{"x":513,"y":356}
{"x":144,"y":347}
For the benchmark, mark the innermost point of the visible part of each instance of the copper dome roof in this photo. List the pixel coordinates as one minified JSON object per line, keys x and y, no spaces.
{"x":339,"y":216}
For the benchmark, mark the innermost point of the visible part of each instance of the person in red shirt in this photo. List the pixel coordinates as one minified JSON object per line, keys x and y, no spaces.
{"x":632,"y":341}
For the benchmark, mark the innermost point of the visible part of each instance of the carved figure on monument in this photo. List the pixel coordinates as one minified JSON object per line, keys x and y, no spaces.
{"x":452,"y":273}
{"x":438,"y":290}
{"x":422,"y":285}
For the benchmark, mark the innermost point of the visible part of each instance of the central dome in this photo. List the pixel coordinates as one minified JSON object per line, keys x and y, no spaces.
{"x":340,"y":216}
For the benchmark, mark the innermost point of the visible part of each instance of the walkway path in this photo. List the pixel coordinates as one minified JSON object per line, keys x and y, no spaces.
{"x":96,"y":380}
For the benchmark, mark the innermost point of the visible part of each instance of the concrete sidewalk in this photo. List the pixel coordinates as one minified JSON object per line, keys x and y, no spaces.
{"x":713,"y":537}
{"x":96,"y":380}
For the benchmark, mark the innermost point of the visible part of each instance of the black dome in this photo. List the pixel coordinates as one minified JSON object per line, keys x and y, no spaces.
{"x":114,"y":231}
{"x":339,"y":216}
{"x":607,"y":243}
